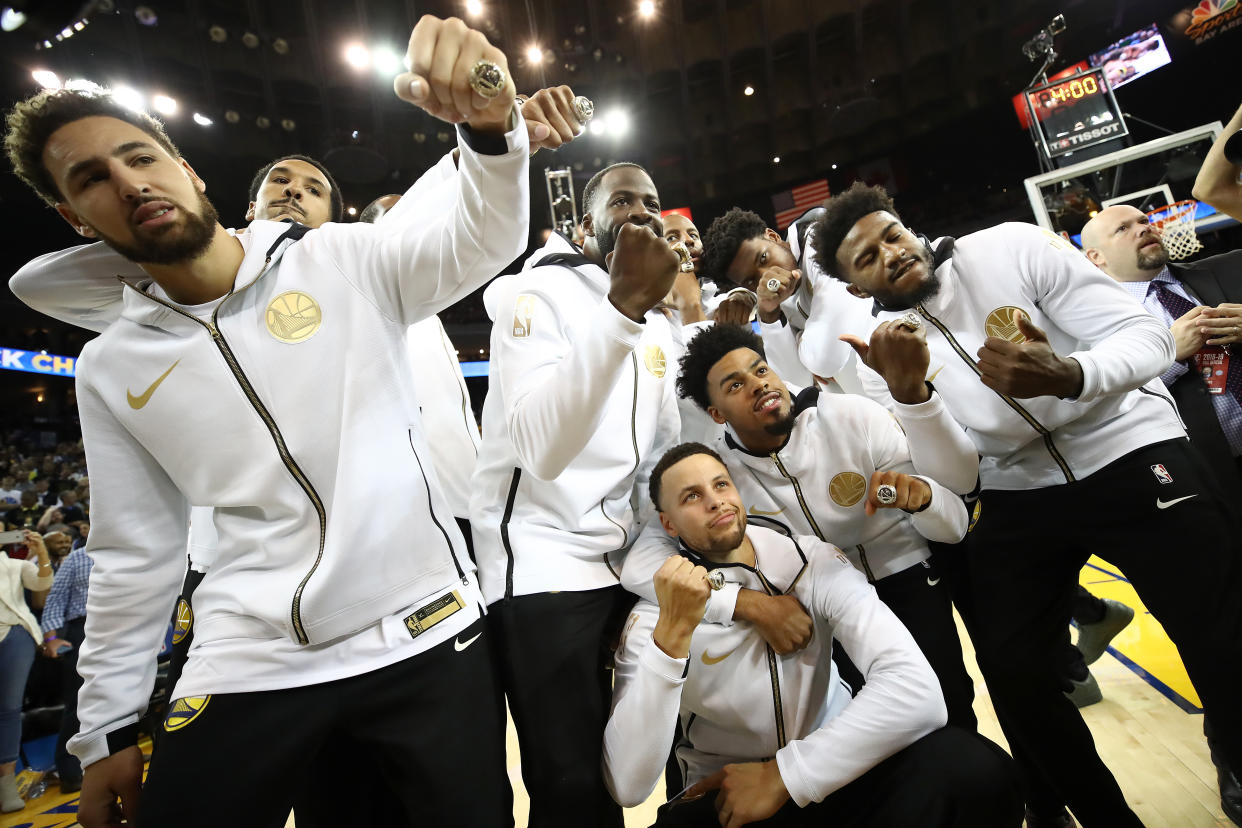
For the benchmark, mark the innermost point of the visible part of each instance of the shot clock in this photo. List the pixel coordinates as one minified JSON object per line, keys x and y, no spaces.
{"x":1076,"y":112}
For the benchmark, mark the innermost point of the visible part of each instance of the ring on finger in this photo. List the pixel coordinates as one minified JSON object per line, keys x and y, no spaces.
{"x":886,"y":493}
{"x":488,"y":79}
{"x":715,"y":579}
{"x":774,"y":285}
{"x":910,"y":321}
{"x":584,"y":109}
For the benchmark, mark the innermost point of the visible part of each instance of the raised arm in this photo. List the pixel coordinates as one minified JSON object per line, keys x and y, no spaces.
{"x":1217,"y":182}
{"x":78,"y":285}
{"x":555,"y":388}
{"x":651,"y":666}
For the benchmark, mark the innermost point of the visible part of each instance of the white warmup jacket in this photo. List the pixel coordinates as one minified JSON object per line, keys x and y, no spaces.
{"x":1045,"y":441}
{"x":580,"y":405}
{"x":740,"y":702}
{"x":292,"y":413}
{"x":817,"y":483}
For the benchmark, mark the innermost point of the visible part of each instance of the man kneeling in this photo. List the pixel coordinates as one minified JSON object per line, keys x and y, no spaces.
{"x":766,"y":729}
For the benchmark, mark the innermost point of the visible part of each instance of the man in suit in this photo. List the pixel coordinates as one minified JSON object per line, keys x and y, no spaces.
{"x":1201,"y":302}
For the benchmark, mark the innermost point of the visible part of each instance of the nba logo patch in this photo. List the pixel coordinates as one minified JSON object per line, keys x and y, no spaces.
{"x":1161,"y":473}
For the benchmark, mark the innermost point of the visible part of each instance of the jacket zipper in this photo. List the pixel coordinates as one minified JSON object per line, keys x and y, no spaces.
{"x":798,"y":493}
{"x":774,"y":672}
{"x":625,"y":536}
{"x":862,"y":554}
{"x":1010,"y":401}
{"x":290,"y":464}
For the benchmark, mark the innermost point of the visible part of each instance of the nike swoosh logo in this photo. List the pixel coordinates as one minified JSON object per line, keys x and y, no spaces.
{"x":460,"y":645}
{"x":762,"y":513}
{"x":1162,"y":504}
{"x":141,"y":400}
{"x":709,"y":660}
{"x":931,"y":582}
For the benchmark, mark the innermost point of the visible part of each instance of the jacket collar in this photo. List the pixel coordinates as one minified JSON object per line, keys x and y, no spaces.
{"x":267,"y":240}
{"x":561,"y":252}
{"x":772,"y":541}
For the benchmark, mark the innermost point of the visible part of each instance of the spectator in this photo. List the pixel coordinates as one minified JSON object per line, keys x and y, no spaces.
{"x":27,"y":514}
{"x":64,"y":628}
{"x":18,"y":633}
{"x":70,"y":511}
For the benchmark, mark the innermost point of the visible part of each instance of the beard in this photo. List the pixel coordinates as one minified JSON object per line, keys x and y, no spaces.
{"x":929,"y":288}
{"x":718,"y":547}
{"x":782,"y":427}
{"x":1154,"y":261}
{"x":197,"y":231}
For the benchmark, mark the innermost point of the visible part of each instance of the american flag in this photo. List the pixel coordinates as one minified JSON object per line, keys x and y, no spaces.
{"x":793,"y":203}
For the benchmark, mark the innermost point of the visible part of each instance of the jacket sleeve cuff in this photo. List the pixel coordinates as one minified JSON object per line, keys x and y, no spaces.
{"x":492,"y":143}
{"x":656,"y":661}
{"x":799,"y":787}
{"x":618,"y":326}
{"x":931,"y":408}
{"x":90,"y":749}
{"x":721,"y":604}
{"x":1090,"y":377}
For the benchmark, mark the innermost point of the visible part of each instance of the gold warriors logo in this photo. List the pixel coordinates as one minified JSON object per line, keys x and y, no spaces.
{"x":847,"y":488}
{"x":184,"y":711}
{"x":185,"y":620}
{"x":1002,"y":323}
{"x":293,"y":317}
{"x":974,"y":514}
{"x":523,"y":312}
{"x":653,"y":360}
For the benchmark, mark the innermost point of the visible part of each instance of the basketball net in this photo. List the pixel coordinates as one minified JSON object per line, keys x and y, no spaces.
{"x":1177,"y":226}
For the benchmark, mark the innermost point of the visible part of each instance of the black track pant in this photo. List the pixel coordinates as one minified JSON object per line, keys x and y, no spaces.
{"x":1175,"y":543}
{"x":555,"y":652}
{"x":950,"y":778}
{"x":433,"y":723}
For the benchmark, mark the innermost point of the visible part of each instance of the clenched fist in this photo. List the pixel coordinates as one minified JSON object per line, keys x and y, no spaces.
{"x":439,"y":60}
{"x":642,"y":268}
{"x":681,"y":590}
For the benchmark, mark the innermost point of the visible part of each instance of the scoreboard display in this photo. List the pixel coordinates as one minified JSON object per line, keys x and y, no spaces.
{"x":1076,"y":112}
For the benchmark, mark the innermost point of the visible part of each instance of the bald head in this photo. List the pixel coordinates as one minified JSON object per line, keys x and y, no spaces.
{"x":1121,"y":242}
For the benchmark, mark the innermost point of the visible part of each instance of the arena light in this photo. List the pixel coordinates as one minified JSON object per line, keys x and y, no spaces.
{"x":597,"y":127}
{"x":618,"y":122}
{"x":11,"y":19}
{"x":748,"y":91}
{"x":387,"y":61}
{"x":834,"y":166}
{"x":534,"y":53}
{"x":46,"y":78}
{"x":647,"y":8}
{"x":129,"y":98}
{"x":357,"y":56}
{"x":474,"y":8}
{"x":353,"y":211}
{"x":202,"y":120}
{"x":776,"y":159}
{"x":164,"y":105}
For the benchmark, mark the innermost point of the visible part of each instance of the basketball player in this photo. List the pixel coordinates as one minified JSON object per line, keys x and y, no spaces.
{"x":579,"y":407}
{"x":282,"y":637}
{"x":779,"y":736}
{"x":1048,"y":364}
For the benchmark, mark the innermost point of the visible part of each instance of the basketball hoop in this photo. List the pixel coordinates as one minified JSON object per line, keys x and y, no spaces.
{"x":1177,"y":226}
